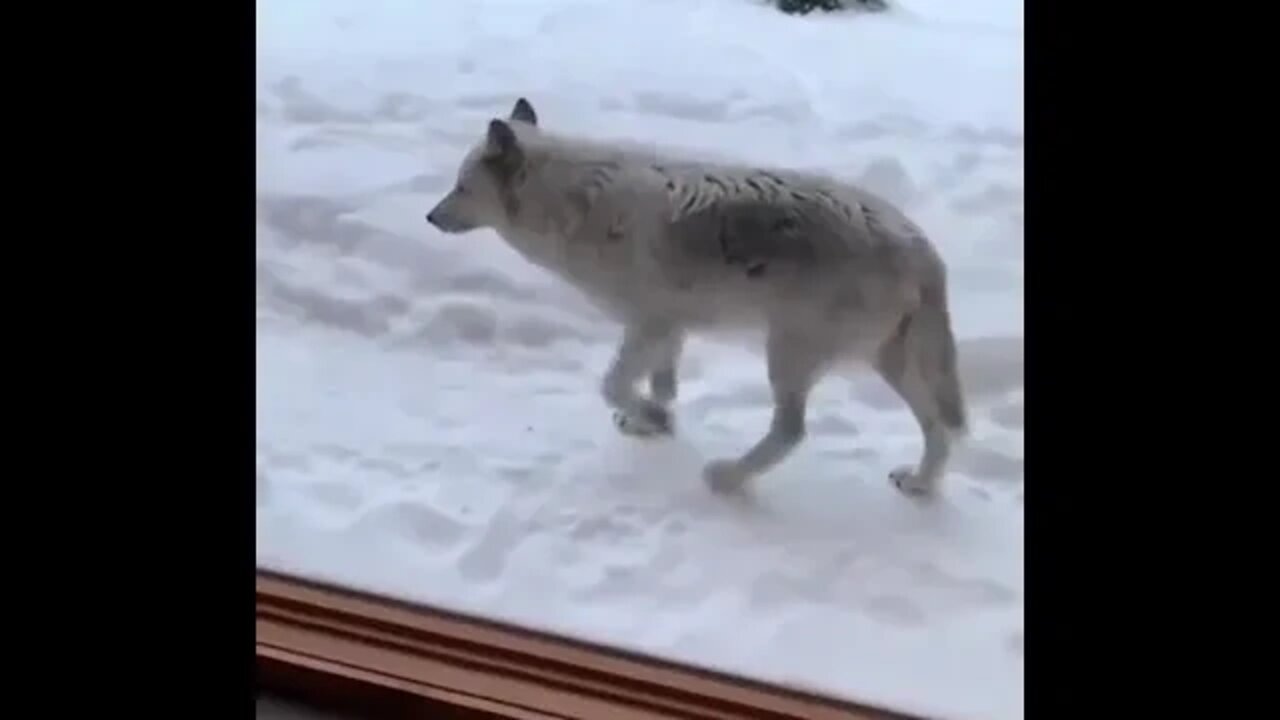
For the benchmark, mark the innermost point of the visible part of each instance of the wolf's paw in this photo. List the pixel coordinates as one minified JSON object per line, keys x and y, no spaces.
{"x":724,"y":476}
{"x":652,"y":420}
{"x":910,"y":483}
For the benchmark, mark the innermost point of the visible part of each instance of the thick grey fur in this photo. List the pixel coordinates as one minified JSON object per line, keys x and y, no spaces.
{"x":667,"y":246}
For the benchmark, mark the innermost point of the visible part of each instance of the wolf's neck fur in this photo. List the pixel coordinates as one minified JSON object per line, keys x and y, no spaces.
{"x":564,"y":199}
{"x":564,"y":179}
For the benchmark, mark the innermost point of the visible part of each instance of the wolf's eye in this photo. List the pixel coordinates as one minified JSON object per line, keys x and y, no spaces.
{"x":461,"y":189}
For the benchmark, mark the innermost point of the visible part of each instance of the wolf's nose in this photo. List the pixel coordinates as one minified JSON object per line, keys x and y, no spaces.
{"x":431,"y":218}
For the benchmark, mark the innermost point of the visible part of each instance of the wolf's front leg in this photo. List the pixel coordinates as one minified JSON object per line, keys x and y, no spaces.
{"x":645,"y":349}
{"x":663,"y":382}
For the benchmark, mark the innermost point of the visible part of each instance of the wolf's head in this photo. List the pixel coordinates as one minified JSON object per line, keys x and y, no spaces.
{"x":484,"y":192}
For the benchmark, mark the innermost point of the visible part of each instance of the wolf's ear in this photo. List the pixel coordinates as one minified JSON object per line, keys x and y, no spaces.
{"x":523,"y":111}
{"x":503,"y":149}
{"x":502,"y":139}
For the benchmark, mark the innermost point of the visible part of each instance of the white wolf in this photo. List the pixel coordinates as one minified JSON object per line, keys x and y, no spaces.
{"x":666,"y":246}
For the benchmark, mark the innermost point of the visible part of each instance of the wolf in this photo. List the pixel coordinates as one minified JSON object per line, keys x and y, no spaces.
{"x":669,"y":246}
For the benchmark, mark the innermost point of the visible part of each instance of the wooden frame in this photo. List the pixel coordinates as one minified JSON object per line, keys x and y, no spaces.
{"x":395,"y":660}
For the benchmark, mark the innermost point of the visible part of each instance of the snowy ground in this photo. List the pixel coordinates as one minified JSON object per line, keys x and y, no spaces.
{"x":428,"y":425}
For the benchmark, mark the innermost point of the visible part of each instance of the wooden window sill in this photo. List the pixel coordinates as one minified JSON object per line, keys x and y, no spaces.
{"x":390,"y":659}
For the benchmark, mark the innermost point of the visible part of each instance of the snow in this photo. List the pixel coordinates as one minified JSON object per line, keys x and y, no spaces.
{"x":428,"y":422}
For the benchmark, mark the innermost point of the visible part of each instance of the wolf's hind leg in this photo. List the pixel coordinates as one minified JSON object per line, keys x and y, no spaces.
{"x":795,"y":365}
{"x":919,"y":363}
{"x":645,"y":349}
